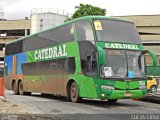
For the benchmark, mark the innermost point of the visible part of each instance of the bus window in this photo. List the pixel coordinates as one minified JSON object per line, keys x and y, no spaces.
{"x":92,"y":68}
{"x":84,"y":31}
{"x":52,"y":37}
{"x":148,"y":60}
{"x":64,"y":34}
{"x":71,"y":65}
{"x":158,"y":59}
{"x":14,"y":48}
{"x":36,"y":42}
{"x":116,"y":31}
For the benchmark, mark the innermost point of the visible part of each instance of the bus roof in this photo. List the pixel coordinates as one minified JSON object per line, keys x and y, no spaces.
{"x":71,"y":21}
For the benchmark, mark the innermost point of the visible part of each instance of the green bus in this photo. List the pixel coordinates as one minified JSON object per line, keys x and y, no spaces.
{"x":94,"y":57}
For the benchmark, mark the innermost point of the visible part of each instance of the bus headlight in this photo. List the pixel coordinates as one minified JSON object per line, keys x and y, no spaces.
{"x":107,"y":87}
{"x":142,"y":85}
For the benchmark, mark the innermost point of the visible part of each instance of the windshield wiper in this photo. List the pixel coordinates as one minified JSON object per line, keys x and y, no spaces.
{"x":116,"y":76}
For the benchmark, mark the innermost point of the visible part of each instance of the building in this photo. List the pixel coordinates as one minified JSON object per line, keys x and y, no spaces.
{"x":149,"y":29}
{"x":11,"y":30}
{"x":42,"y":18}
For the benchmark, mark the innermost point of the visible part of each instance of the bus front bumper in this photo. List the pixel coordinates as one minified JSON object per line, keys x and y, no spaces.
{"x":123,"y":94}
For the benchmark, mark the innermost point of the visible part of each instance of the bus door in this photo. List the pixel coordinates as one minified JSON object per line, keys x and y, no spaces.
{"x":92,"y":75}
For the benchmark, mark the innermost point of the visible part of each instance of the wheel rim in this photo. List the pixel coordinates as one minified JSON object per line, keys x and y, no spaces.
{"x":153,"y":89}
{"x":73,"y":92}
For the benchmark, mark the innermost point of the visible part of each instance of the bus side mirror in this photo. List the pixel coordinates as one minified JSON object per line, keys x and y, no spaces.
{"x":154,"y":58}
{"x":102,"y":56}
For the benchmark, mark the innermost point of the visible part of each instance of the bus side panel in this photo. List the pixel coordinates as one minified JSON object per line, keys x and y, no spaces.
{"x":13,"y":68}
{"x":21,"y":59}
{"x":51,"y":84}
{"x":40,"y":83}
{"x":8,"y":71}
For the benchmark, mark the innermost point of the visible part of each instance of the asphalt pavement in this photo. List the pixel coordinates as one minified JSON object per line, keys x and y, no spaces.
{"x":88,"y":109}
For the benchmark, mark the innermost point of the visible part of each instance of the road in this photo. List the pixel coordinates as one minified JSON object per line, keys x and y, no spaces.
{"x":60,"y":106}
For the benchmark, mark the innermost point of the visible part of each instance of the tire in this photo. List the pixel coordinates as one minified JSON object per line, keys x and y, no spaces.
{"x":153,"y":89}
{"x":74,"y":97}
{"x":112,"y":101}
{"x":27,"y":93}
{"x":20,"y":87}
{"x":15,"y":88}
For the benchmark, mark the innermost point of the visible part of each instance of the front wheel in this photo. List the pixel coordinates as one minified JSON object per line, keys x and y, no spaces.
{"x":112,"y":101}
{"x":74,"y":97}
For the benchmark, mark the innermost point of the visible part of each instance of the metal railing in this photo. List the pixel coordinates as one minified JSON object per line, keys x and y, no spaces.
{"x":49,"y":10}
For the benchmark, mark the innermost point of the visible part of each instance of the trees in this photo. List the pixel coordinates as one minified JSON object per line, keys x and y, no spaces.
{"x":86,"y":10}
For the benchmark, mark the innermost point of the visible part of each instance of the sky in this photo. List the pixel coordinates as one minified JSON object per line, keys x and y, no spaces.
{"x":19,"y":9}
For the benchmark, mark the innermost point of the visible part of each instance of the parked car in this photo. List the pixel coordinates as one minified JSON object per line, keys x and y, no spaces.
{"x":152,"y":85}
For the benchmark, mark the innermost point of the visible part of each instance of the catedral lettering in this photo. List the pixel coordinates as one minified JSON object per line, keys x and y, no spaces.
{"x":52,"y":52}
{"x":121,"y":46}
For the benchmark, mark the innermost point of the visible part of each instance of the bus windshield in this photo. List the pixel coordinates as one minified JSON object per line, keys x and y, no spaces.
{"x":123,"y":64}
{"x":116,"y":31}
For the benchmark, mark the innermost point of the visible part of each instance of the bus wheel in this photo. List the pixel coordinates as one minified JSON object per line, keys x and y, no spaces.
{"x":20,"y":86}
{"x":153,"y":88}
{"x":74,"y":93}
{"x":112,"y":101}
{"x":15,"y":88}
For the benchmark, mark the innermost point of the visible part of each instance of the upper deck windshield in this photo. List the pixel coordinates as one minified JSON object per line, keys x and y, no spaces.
{"x":116,"y":31}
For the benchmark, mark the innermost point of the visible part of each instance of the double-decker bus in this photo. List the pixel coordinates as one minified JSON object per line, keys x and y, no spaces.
{"x":95,"y":57}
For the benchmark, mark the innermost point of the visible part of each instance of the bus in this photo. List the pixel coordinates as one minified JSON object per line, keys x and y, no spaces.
{"x":153,"y":71}
{"x":95,"y":57}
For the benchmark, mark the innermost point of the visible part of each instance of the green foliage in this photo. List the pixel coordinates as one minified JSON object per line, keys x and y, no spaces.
{"x":86,"y":10}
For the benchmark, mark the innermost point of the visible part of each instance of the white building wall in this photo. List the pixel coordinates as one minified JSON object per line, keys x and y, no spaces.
{"x":44,"y":20}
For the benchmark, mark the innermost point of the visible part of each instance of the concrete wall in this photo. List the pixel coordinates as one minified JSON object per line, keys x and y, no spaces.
{"x":149,"y":28}
{"x":10,"y":26}
{"x":14,"y":24}
{"x":147,"y":24}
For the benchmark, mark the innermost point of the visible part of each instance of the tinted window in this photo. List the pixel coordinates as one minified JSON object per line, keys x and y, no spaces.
{"x":52,"y":67}
{"x":88,"y":58}
{"x":65,"y":33}
{"x":14,"y":48}
{"x":36,"y":42}
{"x":116,"y":31}
{"x":29,"y":69}
{"x":84,"y":31}
{"x":52,"y":37}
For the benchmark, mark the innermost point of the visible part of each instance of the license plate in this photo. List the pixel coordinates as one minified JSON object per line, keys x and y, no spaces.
{"x":127,"y":94}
